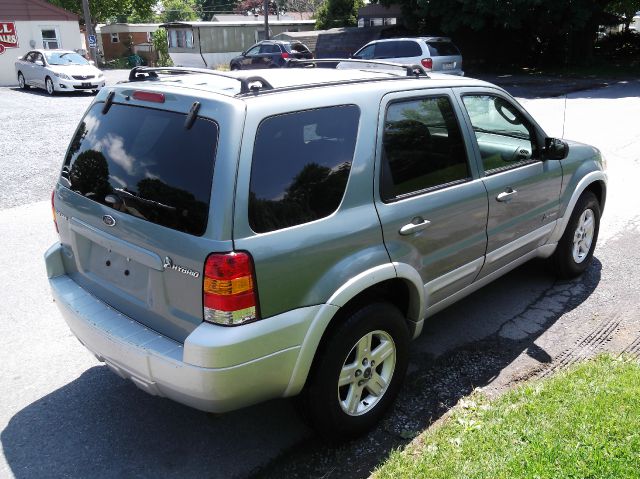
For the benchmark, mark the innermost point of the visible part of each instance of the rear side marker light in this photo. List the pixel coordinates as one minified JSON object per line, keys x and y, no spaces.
{"x":427,"y":63}
{"x":53,"y":210}
{"x":229,"y":294}
{"x":148,"y":96}
{"x":284,"y":55}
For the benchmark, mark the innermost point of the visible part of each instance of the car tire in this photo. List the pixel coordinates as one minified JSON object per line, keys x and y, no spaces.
{"x":575,"y":249}
{"x":48,"y":83}
{"x":345,"y":394}
{"x":234,"y":67}
{"x":21,"y":82}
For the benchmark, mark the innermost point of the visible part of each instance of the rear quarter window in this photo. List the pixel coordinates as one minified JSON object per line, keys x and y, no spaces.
{"x":301,"y":164}
{"x":443,"y":49}
{"x":147,"y":160}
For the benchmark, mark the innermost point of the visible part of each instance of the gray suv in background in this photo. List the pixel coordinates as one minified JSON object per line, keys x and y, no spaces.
{"x":437,"y":54}
{"x":225,"y":239}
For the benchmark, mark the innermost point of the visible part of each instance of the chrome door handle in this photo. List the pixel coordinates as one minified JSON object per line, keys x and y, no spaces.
{"x":507,"y":195}
{"x":417,"y":224}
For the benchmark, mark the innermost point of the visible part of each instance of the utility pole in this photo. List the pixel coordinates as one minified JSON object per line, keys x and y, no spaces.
{"x":266,"y":19}
{"x":88,"y":25}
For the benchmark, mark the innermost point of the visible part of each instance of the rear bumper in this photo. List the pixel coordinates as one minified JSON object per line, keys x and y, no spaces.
{"x":182,"y":372}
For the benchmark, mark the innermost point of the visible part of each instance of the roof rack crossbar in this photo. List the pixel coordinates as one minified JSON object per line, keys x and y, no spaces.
{"x":247,"y":84}
{"x":411,"y":70}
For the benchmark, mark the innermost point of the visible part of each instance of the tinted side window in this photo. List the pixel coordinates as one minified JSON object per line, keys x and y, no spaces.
{"x":505,"y":138}
{"x":385,"y":50}
{"x":442,"y":49}
{"x":366,"y":53}
{"x":422,"y":147}
{"x":408,"y":49}
{"x":301,"y":163}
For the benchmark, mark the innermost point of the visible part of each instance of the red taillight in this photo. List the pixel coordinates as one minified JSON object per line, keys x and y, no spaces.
{"x":229,"y":295}
{"x":53,"y":210}
{"x":284,"y":55}
{"x":427,"y":63}
{"x":148,"y":96}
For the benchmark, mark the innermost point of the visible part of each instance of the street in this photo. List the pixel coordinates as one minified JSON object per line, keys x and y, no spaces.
{"x":62,"y":413}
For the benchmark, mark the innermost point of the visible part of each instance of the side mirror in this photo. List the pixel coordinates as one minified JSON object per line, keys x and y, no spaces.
{"x":91,"y":62}
{"x":555,"y":149}
{"x":39,"y":62}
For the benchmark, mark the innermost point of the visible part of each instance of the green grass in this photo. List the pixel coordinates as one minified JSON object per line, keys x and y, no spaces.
{"x":582,"y":423}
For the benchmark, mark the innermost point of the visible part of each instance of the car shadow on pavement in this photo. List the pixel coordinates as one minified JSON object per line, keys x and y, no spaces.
{"x":102,"y":426}
{"x":41,"y":92}
{"x":480,"y":342}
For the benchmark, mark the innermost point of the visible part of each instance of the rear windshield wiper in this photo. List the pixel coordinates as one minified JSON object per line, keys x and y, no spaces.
{"x":127,"y":194}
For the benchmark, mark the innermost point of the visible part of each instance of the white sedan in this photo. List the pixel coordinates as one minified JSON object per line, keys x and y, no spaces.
{"x":58,"y":71}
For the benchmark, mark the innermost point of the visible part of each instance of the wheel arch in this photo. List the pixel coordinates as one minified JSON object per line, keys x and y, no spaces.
{"x":395,"y":283}
{"x":596,"y":182}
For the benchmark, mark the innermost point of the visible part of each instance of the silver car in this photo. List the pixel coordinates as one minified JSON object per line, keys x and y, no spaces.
{"x":229,"y":238}
{"x":437,"y":54}
{"x":58,"y":71}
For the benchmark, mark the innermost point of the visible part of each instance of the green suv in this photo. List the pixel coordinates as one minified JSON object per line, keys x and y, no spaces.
{"x":227,"y":238}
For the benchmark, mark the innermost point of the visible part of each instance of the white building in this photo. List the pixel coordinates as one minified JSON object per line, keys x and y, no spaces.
{"x":29,"y":24}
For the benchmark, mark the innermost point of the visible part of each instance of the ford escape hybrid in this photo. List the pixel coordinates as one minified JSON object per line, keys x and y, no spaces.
{"x":225,"y":239}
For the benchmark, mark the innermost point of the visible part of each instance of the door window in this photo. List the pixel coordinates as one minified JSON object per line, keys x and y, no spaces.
{"x":366,"y":53}
{"x":269,"y":48}
{"x":422,"y":148}
{"x":406,"y":48}
{"x":385,"y":50}
{"x":505,"y":138}
{"x":253,"y":51}
{"x":301,"y":163}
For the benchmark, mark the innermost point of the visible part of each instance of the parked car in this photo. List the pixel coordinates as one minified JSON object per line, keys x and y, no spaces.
{"x":57,"y":71}
{"x":437,"y":54}
{"x":270,"y":54}
{"x":225,"y":239}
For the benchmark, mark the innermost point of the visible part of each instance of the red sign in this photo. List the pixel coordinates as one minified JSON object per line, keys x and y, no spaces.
{"x":8,"y":36}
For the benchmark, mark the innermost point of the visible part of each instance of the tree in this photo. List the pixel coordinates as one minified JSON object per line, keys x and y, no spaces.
{"x":548,"y":31}
{"x":339,"y":13}
{"x":208,"y":8}
{"x":105,"y":10}
{"x":302,"y":6}
{"x":161,"y":46}
{"x":178,"y":10}
{"x":625,"y":9}
{"x":255,"y":7}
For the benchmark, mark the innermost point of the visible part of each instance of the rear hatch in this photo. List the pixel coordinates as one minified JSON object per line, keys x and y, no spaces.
{"x":446,"y":56}
{"x":133,"y":207}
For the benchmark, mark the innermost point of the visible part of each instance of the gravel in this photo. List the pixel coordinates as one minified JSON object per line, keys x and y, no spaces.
{"x":36,"y":129}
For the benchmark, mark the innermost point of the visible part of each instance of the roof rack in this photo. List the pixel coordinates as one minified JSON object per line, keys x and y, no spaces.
{"x":411,"y":70}
{"x":247,"y":84}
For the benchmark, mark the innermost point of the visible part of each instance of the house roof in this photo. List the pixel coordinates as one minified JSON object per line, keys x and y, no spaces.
{"x":21,"y":10}
{"x":246,"y":22}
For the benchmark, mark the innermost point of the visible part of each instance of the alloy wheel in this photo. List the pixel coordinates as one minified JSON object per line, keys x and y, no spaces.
{"x":366,"y":373}
{"x":583,"y":236}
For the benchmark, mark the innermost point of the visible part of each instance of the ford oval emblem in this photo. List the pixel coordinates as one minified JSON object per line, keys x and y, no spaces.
{"x":109,"y":220}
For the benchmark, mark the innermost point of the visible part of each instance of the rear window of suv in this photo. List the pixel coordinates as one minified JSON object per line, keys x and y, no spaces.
{"x":442,"y":49}
{"x":301,"y":164}
{"x":147,"y":161}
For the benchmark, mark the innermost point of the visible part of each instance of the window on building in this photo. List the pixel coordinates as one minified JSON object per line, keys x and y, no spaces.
{"x":181,"y":38}
{"x":115,"y":38}
{"x":50,"y":38}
